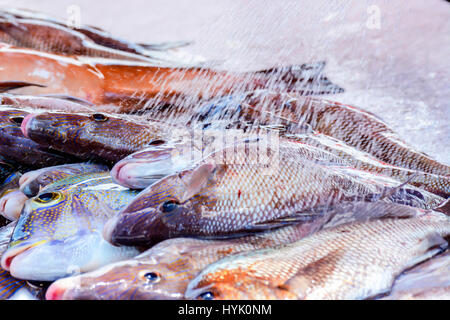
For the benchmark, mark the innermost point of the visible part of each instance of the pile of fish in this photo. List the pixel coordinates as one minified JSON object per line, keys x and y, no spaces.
{"x":138,"y":171}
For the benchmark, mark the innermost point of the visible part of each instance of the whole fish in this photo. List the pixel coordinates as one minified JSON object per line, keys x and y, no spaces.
{"x":164,"y":271}
{"x":237,"y":191}
{"x":140,"y":169}
{"x":59,"y":231}
{"x":16,"y":148}
{"x":94,"y":136}
{"x":32,"y":182}
{"x":350,"y":261}
{"x":427,"y":281}
{"x":131,"y":85}
{"x":357,"y":128}
{"x":97,"y":35}
{"x":54,"y":38}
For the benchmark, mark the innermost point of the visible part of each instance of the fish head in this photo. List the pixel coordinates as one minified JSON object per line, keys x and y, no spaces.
{"x":154,"y":215}
{"x":11,"y":203}
{"x":143,"y":168}
{"x":159,"y":273}
{"x":91,"y":135}
{"x":226,"y":280}
{"x":58,"y":234}
{"x":32,"y":182}
{"x":229,"y":284}
{"x":16,"y":147}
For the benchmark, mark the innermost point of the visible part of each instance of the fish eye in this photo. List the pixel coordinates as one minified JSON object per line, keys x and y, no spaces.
{"x":99,"y":117}
{"x":208,"y":295}
{"x":16,"y":120}
{"x":156,"y":142}
{"x":169,"y":206}
{"x":47,"y":197}
{"x":152,"y":277}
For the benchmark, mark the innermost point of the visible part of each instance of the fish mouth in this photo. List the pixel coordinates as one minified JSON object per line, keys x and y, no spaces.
{"x":139,"y":174}
{"x":26,"y":124}
{"x":58,"y":289}
{"x":10,"y":254}
{"x":12,"y":203}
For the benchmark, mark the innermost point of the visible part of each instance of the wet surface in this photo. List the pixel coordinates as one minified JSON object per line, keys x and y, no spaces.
{"x":391,"y":57}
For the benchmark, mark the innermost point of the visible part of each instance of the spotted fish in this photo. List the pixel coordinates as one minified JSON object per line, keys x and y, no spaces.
{"x":63,"y":223}
{"x":16,"y":148}
{"x":33,"y":181}
{"x":237,"y":191}
{"x":12,"y":288}
{"x":350,"y":261}
{"x":94,"y":136}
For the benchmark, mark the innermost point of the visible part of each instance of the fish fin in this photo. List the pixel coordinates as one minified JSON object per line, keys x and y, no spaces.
{"x":364,"y":211}
{"x":306,"y":78}
{"x":164,"y":46}
{"x":303,"y":279}
{"x":198,"y":180}
{"x":69,"y":98}
{"x":11,"y":85}
{"x":304,"y":217}
{"x":444,"y":207}
{"x":388,"y":192}
{"x":431,"y":245}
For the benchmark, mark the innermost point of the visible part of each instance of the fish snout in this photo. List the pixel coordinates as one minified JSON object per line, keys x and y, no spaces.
{"x":12,"y":203}
{"x":58,"y":289}
{"x":140,"y":173}
{"x":9,"y":255}
{"x":26,"y":123}
{"x":141,"y":228}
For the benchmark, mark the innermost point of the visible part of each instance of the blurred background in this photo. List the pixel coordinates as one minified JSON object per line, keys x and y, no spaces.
{"x":392,"y":57}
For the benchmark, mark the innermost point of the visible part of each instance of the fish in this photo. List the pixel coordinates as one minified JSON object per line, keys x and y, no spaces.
{"x":351,"y":261}
{"x":97,"y":35}
{"x":9,"y":177}
{"x":237,"y":191}
{"x":63,"y":223}
{"x":48,"y":103}
{"x":11,"y":204}
{"x":133,"y":86}
{"x":429,"y":280}
{"x":140,"y":169}
{"x":9,"y":182}
{"x":55,"y":38}
{"x":10,"y":287}
{"x":354,"y":126}
{"x":17,"y":149}
{"x":95,"y":136}
{"x":6,"y":86}
{"x":165,"y":270}
{"x":32,"y":182}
